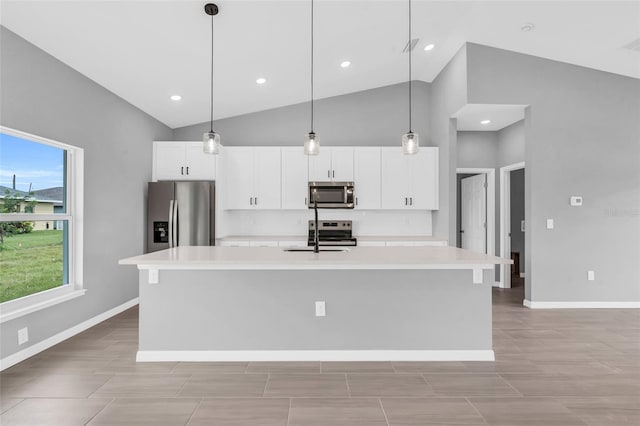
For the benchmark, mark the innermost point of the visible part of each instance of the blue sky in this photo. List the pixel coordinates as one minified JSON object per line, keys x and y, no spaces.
{"x":33,"y":163}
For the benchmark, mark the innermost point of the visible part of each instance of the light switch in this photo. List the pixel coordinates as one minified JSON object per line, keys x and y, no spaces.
{"x":320,"y":309}
{"x":549,"y":223}
{"x":153,"y":276}
{"x":575,"y":201}
{"x":591,"y":275}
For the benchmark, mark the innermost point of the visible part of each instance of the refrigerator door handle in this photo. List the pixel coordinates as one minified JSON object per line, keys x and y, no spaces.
{"x":170,"y":223}
{"x":174,"y":219}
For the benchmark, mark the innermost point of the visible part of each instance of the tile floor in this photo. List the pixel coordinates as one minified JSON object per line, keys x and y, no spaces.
{"x":553,"y":367}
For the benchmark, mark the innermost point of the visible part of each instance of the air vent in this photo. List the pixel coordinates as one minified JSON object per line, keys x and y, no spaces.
{"x":634,"y":45}
{"x":411,"y":44}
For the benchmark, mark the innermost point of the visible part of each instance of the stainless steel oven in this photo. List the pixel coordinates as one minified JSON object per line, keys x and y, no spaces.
{"x":331,"y":195}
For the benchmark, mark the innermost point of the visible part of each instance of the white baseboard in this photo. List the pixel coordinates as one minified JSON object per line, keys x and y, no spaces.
{"x":522,"y":274}
{"x":34,"y":349}
{"x":581,"y":305}
{"x":319,"y":355}
{"x":497,"y":283}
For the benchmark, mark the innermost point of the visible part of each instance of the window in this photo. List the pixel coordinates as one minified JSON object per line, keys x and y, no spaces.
{"x":40,"y":222}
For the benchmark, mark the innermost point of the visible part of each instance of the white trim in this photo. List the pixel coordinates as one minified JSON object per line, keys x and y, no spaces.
{"x":497,"y":283}
{"x":73,"y":216}
{"x":522,"y":274}
{"x":491,"y":204}
{"x":505,"y":197}
{"x":64,"y":335}
{"x":581,"y":305}
{"x":17,"y":308}
{"x":316,"y":355}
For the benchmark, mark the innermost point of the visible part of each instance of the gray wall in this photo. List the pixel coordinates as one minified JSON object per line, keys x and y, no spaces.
{"x":582,"y":132}
{"x":372,"y":117}
{"x":42,"y":96}
{"x":517,"y":214}
{"x":448,"y":95}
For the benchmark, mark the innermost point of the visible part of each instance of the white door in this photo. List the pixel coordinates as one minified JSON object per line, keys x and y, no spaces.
{"x":506,"y":270}
{"x":320,"y":166}
{"x":396,"y":176}
{"x":474,"y":213}
{"x":267,"y":183}
{"x":342,"y":164}
{"x":238,"y":183}
{"x":366,"y":177}
{"x":295,"y":172}
{"x":169,"y":161}
{"x":199,"y":166}
{"x":424,"y":179}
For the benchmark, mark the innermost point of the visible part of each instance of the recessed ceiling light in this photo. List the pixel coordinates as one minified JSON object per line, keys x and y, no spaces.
{"x":528,"y":26}
{"x":176,"y":97}
{"x":261,"y":80}
{"x":345,"y":64}
{"x":485,"y":122}
{"x":429,"y":46}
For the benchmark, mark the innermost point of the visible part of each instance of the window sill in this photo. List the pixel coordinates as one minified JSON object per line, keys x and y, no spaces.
{"x":13,"y":309}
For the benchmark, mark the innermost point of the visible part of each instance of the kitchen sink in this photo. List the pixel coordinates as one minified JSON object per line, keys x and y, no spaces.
{"x":310,"y":249}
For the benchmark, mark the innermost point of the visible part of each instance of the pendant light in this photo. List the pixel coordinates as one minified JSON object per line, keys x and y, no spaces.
{"x":311,"y":142}
{"x":410,"y":140}
{"x":211,"y":139}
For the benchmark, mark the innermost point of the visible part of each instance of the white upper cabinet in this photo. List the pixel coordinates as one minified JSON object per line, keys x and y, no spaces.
{"x":367,"y":177}
{"x":332,"y":164}
{"x":410,"y":181}
{"x":295,"y":172}
{"x":252,"y":178}
{"x":182,"y":161}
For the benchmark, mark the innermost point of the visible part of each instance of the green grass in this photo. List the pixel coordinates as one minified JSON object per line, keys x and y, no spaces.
{"x":30,"y":263}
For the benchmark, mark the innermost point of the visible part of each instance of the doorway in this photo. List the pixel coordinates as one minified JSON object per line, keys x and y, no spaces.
{"x":512,"y":223}
{"x":476,"y":209}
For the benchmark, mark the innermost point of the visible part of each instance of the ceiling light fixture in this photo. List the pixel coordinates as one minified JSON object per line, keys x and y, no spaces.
{"x":176,"y":97}
{"x":410,"y":140}
{"x":528,"y":26}
{"x":345,"y":64}
{"x":211,"y":139}
{"x":261,"y":80}
{"x":429,"y":47}
{"x":485,"y":122}
{"x":311,"y":142}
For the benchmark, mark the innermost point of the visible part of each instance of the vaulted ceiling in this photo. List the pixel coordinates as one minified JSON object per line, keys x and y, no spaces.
{"x":146,"y":51}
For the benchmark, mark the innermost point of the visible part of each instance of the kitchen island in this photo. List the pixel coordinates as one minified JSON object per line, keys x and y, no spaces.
{"x":260,"y":304}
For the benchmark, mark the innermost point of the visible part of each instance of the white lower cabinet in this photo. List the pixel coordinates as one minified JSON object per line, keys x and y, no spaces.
{"x":230,"y":243}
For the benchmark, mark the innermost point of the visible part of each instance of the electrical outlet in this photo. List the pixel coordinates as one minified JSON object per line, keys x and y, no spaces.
{"x":23,"y":336}
{"x":575,"y":201}
{"x":591,"y":275}
{"x":320,"y":309}
{"x":549,"y":223}
{"x":153,"y":276}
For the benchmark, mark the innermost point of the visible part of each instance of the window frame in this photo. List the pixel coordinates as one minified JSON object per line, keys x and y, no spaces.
{"x":74,"y":206}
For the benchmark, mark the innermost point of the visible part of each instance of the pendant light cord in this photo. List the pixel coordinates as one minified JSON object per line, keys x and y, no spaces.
{"x":211,"y":73}
{"x":410,"y":54}
{"x":311,"y":66}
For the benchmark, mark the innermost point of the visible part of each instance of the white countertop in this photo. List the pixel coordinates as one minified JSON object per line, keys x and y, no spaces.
{"x":304,"y":238}
{"x":263,"y":258}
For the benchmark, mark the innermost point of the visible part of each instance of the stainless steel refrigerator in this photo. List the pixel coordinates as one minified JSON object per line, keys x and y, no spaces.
{"x":180,"y":214}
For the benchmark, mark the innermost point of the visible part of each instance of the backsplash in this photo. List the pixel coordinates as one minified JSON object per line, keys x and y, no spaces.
{"x":295,"y":222}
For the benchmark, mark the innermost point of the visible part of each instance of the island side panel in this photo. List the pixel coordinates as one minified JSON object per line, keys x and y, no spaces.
{"x":213,"y":310}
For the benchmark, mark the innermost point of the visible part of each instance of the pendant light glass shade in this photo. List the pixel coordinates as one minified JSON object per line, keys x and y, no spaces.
{"x":410,"y":143}
{"x":211,"y":143}
{"x":311,"y":144}
{"x":410,"y":140}
{"x":211,"y":140}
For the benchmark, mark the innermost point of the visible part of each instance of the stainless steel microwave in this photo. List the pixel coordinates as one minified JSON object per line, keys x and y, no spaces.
{"x":331,"y":195}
